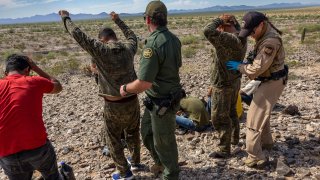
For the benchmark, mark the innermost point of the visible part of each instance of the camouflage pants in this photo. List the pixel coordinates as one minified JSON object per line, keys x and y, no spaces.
{"x":224,"y":115}
{"x":159,"y":138}
{"x":118,"y":118}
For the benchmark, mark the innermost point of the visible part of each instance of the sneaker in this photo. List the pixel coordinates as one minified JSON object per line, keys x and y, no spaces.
{"x":106,"y":151}
{"x":117,"y":176}
{"x":135,"y":166}
{"x":253,"y":163}
{"x":156,"y":169}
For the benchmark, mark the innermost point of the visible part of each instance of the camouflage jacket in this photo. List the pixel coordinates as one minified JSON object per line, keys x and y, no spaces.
{"x":114,"y":59}
{"x":228,"y":46}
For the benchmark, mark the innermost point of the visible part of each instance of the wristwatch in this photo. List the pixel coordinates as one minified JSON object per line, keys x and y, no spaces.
{"x":124,"y":88}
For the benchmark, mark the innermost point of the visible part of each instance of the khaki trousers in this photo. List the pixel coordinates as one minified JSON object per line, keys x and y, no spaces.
{"x":258,"y":119}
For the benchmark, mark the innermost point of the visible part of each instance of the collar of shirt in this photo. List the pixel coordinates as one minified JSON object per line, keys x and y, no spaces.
{"x":14,"y":76}
{"x":158,"y":30}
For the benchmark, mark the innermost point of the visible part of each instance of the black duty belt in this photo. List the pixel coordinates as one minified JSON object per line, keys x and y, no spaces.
{"x":274,"y":76}
{"x":124,"y":100}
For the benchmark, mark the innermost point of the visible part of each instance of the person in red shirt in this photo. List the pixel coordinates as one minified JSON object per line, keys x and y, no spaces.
{"x":24,"y":146}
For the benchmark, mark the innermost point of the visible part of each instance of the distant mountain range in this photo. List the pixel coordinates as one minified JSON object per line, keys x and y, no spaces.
{"x":53,"y":17}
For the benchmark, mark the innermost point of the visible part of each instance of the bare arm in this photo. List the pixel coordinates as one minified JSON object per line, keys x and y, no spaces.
{"x":57,"y":87}
{"x":135,"y":87}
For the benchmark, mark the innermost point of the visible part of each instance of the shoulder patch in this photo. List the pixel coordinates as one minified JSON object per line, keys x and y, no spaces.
{"x":147,"y":53}
{"x":268,"y":50}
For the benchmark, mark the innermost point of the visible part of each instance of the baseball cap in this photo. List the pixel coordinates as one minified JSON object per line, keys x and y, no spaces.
{"x":156,"y":7}
{"x":251,"y":20}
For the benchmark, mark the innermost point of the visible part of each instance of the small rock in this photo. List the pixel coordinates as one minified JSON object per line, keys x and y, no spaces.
{"x":65,"y":150}
{"x":221,"y":163}
{"x":291,"y":110}
{"x":283,"y":169}
{"x":199,"y":152}
{"x":309,"y":128}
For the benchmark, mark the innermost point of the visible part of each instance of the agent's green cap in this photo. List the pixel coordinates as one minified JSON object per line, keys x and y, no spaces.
{"x":156,"y":7}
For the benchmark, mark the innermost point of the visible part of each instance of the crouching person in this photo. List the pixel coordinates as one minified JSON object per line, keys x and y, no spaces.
{"x":24,"y":146}
{"x":192,"y":115}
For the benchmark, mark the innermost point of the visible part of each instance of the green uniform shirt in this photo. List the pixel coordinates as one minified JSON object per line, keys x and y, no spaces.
{"x":228,"y":47}
{"x":160,"y":62}
{"x":196,"y":110}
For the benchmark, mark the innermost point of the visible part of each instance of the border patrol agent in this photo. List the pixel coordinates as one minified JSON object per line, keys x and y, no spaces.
{"x":114,"y":60}
{"x":159,"y":78}
{"x":267,"y":65}
{"x":222,"y":33}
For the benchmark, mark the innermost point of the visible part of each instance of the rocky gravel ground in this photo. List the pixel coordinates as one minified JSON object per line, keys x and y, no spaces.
{"x":73,"y":121}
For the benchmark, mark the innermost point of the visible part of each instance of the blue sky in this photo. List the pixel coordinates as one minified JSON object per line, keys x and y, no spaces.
{"x":26,"y":8}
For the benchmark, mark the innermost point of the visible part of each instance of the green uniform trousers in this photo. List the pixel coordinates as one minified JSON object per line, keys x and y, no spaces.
{"x":118,"y":118}
{"x":224,"y":115}
{"x":159,"y":138}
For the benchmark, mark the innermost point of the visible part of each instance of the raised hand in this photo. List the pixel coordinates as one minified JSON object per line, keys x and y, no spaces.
{"x":114,"y":16}
{"x":63,"y":13}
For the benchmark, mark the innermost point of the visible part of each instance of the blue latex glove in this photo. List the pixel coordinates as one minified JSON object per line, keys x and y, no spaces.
{"x":233,"y":65}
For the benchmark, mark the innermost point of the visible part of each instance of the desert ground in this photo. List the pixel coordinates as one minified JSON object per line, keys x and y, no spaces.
{"x":73,"y":118}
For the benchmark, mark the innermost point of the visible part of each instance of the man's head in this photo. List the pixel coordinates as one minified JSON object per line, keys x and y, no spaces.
{"x":253,"y":24}
{"x":18,"y":64}
{"x":230,"y":23}
{"x":107,"y":34}
{"x":156,"y":14}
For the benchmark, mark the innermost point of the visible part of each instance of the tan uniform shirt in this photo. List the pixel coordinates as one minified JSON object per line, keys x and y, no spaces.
{"x":270,"y":56}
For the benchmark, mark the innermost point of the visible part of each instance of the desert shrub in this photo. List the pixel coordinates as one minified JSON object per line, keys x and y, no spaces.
{"x":64,"y":53}
{"x":51,"y":55}
{"x":188,"y":52}
{"x":37,"y":57}
{"x":309,"y":28}
{"x":293,"y":63}
{"x":70,"y":66}
{"x":190,"y":39}
{"x":20,"y":46}
{"x":7,"y":53}
{"x":73,"y":65}
{"x":11,"y":31}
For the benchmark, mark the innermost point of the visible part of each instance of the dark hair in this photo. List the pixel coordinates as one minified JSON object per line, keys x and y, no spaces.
{"x":280,"y":32}
{"x":16,"y":62}
{"x":159,"y":19}
{"x":108,"y":33}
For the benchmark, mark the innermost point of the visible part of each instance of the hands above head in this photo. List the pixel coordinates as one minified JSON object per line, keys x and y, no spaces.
{"x":233,"y":65}
{"x":64,"y":13}
{"x":114,"y":16}
{"x":31,"y":62}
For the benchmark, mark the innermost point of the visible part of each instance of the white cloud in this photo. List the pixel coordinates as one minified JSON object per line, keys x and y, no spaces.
{"x":188,"y":4}
{"x":14,"y":3}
